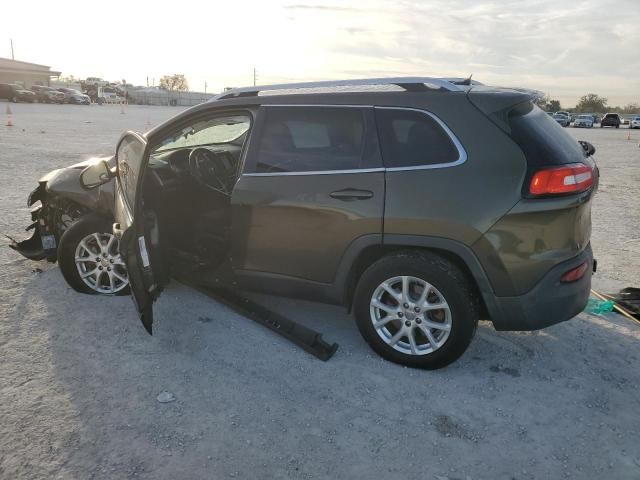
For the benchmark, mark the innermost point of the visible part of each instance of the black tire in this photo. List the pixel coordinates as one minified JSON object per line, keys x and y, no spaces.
{"x":66,"y":251}
{"x":442,"y":274}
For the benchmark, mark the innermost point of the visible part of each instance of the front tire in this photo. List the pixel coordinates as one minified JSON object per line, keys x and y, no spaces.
{"x":89,"y":258}
{"x":416,"y":309}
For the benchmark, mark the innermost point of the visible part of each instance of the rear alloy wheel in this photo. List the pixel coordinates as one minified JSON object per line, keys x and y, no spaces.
{"x":89,"y":258}
{"x":417,"y":309}
{"x":410,"y":315}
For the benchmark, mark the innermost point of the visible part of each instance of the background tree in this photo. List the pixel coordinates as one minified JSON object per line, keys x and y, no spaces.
{"x":592,"y":103}
{"x":543,"y":101}
{"x":547,"y":104}
{"x":631,"y":108}
{"x":554,"y":106}
{"x":68,"y":79}
{"x":174,"y":82}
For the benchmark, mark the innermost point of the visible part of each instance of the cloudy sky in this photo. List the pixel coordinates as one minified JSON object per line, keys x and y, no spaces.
{"x":565,"y":48}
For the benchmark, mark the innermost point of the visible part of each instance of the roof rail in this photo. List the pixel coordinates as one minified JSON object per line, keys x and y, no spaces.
{"x":412,"y":84}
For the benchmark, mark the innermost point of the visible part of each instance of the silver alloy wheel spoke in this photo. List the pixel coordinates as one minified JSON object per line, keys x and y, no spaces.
{"x":99,"y":263}
{"x":390,"y":310}
{"x":434,"y":306}
{"x":396,"y":338}
{"x":385,"y":320}
{"x":410,"y":315}
{"x":430,"y":337}
{"x":405,"y":289}
{"x":391,"y":291}
{"x":436,"y":325}
{"x":412,"y":342}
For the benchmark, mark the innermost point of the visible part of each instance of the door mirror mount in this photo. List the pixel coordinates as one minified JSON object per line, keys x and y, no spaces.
{"x":95,"y":175}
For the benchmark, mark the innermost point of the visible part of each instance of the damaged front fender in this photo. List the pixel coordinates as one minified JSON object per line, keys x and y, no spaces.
{"x":63,"y":200}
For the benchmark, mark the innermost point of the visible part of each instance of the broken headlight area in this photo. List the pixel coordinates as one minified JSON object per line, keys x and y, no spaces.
{"x":50,"y":217}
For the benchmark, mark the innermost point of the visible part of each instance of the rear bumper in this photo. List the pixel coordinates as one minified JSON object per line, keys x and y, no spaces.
{"x":549,"y":302}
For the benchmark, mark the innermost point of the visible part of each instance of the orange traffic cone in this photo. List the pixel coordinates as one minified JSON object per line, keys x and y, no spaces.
{"x":629,"y":135}
{"x":9,"y":120}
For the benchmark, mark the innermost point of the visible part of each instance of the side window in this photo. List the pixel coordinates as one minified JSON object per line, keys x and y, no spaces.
{"x":307,"y":139}
{"x":410,"y":138}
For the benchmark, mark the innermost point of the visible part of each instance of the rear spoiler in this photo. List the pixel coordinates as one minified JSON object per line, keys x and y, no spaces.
{"x":496,"y":102}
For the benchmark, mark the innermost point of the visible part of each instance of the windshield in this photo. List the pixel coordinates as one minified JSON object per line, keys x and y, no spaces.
{"x":584,"y":117}
{"x":208,"y":132}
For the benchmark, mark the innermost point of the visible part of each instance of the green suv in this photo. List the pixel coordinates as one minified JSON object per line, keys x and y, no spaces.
{"x":420,"y":204}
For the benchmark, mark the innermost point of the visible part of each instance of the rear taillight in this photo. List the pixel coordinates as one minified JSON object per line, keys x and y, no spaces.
{"x":575,"y":274}
{"x":570,"y":178}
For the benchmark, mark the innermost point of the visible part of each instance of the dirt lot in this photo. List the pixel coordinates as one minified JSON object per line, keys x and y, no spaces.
{"x":79,"y":376}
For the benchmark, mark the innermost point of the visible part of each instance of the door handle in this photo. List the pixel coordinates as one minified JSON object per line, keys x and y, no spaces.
{"x":351,"y":194}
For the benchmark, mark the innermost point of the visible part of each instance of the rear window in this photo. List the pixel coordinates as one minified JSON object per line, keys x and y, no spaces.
{"x":542,"y":140}
{"x":411,"y":138}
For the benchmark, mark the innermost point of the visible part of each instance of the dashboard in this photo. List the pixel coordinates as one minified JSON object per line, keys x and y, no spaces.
{"x":211,"y":167}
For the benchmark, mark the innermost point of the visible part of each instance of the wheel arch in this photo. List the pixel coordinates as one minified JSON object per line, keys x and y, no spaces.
{"x":370,"y":251}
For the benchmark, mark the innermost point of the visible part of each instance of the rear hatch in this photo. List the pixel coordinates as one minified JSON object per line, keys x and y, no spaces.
{"x":552,"y":222}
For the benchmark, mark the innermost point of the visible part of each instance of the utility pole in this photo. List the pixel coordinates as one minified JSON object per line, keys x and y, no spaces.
{"x":205,"y":87}
{"x":12,"y":57}
{"x":255,"y":76}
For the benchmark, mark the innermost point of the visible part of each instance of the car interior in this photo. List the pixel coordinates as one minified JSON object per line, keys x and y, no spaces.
{"x":187,"y":192}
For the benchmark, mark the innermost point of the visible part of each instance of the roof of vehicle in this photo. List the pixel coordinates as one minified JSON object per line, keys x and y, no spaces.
{"x":411,"y":84}
{"x":368,"y":91}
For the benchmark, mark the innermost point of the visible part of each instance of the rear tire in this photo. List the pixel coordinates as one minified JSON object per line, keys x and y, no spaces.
{"x":450,"y":329}
{"x":90,"y":229}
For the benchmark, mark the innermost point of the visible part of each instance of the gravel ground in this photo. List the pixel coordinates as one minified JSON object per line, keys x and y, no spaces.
{"x":79,"y":378}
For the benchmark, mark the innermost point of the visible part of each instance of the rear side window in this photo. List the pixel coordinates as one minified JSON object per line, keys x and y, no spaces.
{"x":542,"y":140}
{"x":307,"y":139}
{"x":411,"y":138}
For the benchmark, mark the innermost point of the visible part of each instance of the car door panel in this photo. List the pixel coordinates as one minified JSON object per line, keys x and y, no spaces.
{"x":291,"y":225}
{"x":299,"y":223}
{"x":134,"y":227}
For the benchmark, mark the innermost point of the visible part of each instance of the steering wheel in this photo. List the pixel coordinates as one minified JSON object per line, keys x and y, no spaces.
{"x":206,"y":169}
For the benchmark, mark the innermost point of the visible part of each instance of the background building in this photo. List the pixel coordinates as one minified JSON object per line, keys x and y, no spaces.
{"x":24,"y":73}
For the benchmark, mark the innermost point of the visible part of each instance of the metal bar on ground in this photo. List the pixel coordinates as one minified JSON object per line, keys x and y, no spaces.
{"x":306,"y":338}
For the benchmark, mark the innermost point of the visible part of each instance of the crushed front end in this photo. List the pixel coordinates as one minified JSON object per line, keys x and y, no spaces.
{"x":57,"y":202}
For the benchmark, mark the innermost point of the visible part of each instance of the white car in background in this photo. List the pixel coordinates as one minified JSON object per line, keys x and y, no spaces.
{"x":635,"y":122}
{"x":583,"y":121}
{"x":108,"y":97}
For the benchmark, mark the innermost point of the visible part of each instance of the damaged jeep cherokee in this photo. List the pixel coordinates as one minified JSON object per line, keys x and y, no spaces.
{"x":421,"y":204}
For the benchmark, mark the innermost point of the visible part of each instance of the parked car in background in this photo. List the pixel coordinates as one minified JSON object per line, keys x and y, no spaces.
{"x":322,"y":196}
{"x":583,"y":121}
{"x":46,"y":94}
{"x":624,"y":120}
{"x":16,"y":93}
{"x":108,"y":95}
{"x":71,"y":95}
{"x":611,"y":120}
{"x":562,"y":118}
{"x":634,"y":122}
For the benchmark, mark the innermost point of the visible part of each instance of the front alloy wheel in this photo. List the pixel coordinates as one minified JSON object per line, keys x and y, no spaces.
{"x":99,"y":264}
{"x":410,"y":315}
{"x":89,"y":258}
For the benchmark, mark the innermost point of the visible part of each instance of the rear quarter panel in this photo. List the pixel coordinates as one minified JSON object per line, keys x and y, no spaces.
{"x":458,"y":202}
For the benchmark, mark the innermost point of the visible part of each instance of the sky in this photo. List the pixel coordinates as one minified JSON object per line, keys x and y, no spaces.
{"x":564,"y":48}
